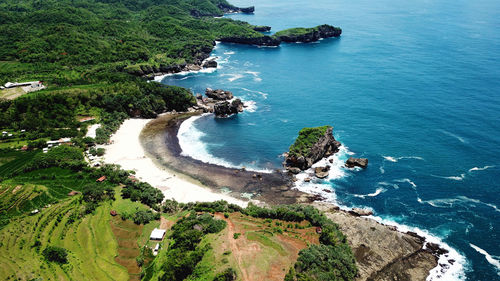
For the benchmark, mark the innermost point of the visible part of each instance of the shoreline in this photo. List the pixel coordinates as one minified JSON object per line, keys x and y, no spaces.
{"x":405,"y":255}
{"x":127,"y":151}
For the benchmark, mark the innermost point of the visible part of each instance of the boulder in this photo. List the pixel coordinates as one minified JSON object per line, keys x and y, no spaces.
{"x":218,"y":94}
{"x":224,"y":108}
{"x":294,"y":170}
{"x":360,"y":212}
{"x":321,"y":172}
{"x":211,"y":63}
{"x":356,"y":162}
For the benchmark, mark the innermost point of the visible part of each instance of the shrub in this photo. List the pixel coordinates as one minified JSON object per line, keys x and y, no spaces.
{"x":56,"y":254}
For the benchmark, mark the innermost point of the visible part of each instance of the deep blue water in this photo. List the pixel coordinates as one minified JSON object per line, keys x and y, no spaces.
{"x":414,"y":79}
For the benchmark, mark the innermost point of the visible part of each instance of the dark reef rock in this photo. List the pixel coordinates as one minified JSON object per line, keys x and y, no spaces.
{"x":211,"y":63}
{"x":435,"y":249}
{"x":262,"y":28}
{"x":224,"y":108}
{"x":356,"y":162}
{"x":324,"y":146}
{"x":321,"y":172}
{"x":260,"y":41}
{"x":218,"y":94}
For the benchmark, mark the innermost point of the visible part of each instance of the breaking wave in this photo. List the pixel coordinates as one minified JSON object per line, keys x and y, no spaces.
{"x":495,"y":261}
{"x":190,"y":141}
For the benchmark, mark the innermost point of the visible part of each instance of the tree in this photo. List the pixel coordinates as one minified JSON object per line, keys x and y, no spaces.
{"x":56,"y":254}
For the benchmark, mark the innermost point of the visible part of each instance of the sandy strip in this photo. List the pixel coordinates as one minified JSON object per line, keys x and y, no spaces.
{"x":126,"y":151}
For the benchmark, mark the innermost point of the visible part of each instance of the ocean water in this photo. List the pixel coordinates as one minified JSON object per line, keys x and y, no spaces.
{"x":414,"y":86}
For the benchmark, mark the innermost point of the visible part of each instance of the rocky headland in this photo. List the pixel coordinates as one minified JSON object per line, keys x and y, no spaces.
{"x":381,"y":252}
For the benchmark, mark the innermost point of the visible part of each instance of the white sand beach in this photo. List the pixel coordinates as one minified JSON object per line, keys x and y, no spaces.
{"x":126,"y":151}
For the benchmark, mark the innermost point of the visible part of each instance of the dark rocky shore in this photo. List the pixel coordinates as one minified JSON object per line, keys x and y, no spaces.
{"x":382,"y":252}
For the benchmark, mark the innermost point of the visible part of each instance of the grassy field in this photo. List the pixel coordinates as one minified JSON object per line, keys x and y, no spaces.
{"x":261,"y":252}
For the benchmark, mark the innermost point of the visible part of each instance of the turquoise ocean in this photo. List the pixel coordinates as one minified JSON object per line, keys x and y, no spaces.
{"x":414,"y":86}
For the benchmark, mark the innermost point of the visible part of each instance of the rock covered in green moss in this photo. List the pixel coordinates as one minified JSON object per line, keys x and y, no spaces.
{"x":311,"y":145}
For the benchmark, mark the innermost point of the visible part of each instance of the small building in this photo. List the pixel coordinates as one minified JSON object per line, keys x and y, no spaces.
{"x":157,"y":234}
{"x":113,"y":213}
{"x":101,"y":179}
{"x":35,"y":211}
{"x":24,"y":148}
{"x":45,"y":150}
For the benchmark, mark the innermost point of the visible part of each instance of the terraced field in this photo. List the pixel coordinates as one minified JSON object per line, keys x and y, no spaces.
{"x":35,"y":190}
{"x":13,"y":162}
{"x":95,"y":251}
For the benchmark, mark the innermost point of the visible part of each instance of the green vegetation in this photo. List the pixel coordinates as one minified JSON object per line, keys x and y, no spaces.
{"x":306,"y":139}
{"x":297,"y":31}
{"x":319,"y":30}
{"x":184,"y":252}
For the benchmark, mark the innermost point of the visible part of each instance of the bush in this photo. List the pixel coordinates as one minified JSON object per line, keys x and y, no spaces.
{"x":227,"y":275}
{"x":144,"y":217}
{"x":236,"y":235}
{"x":56,"y":254}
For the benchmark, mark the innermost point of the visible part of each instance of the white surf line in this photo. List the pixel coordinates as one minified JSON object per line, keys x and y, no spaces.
{"x":489,"y":258}
{"x":192,"y":146}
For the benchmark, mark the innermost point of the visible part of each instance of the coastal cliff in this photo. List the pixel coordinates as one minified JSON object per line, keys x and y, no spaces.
{"x":260,"y":41}
{"x":311,"y":145}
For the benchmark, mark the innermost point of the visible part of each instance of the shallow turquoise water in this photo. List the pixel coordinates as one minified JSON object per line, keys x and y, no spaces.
{"x":412,"y":86}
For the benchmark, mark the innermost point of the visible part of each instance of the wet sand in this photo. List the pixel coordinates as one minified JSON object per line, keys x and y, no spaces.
{"x":160,"y":142}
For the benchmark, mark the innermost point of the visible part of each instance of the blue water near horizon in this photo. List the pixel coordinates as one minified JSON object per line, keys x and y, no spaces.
{"x":412,"y":86}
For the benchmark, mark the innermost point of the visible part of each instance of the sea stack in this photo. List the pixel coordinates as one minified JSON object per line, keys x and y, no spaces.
{"x":311,"y":145}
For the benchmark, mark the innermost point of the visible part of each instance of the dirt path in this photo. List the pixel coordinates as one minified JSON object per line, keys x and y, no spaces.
{"x":165,"y":224}
{"x":234,"y":246}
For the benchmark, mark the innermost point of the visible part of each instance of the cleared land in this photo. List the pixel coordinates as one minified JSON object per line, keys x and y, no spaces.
{"x":263,"y":250}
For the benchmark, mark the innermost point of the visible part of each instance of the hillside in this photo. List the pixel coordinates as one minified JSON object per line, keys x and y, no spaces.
{"x":67,"y":210}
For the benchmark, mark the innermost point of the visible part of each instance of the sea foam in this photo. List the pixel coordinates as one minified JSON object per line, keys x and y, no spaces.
{"x":493,"y":261}
{"x":190,"y":141}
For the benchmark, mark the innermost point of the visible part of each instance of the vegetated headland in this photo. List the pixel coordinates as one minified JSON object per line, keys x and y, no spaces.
{"x":65,"y":213}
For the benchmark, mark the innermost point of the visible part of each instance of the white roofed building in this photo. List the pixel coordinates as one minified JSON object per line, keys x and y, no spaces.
{"x":157,"y":234}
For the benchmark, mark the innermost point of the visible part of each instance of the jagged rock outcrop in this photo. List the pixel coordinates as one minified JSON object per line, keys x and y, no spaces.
{"x":321,"y":172}
{"x":225,"y":108}
{"x":321,"y":31}
{"x":211,"y":63}
{"x":356,"y":162}
{"x":314,"y":150}
{"x":262,"y":28}
{"x":218,"y":94}
{"x":260,"y":41}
